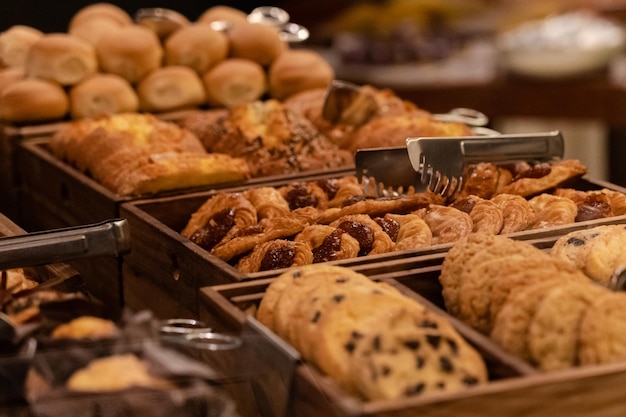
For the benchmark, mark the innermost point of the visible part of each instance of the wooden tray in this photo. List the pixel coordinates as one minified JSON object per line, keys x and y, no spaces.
{"x":166,"y":264}
{"x":515,"y":389}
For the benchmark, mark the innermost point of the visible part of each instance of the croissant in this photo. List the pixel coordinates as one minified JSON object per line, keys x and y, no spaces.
{"x":413,"y":232}
{"x":516,"y":211}
{"x":370,"y":235}
{"x":544,"y":177}
{"x":551,"y":210}
{"x":268,"y":202}
{"x":591,"y":204}
{"x":328,"y":243}
{"x":484,"y":180}
{"x":304,"y":194}
{"x":486,"y":215}
{"x":447,"y":224}
{"x":618,"y":201}
{"x":275,"y":254}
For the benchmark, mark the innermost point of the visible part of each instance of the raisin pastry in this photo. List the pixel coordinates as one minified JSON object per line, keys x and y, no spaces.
{"x":484,"y":180}
{"x":276,"y":254}
{"x":543,"y":177}
{"x":370,"y":235}
{"x":446,"y":223}
{"x":305,"y":194}
{"x":217,"y":218}
{"x":517,"y":213}
{"x":591,"y":204}
{"x":551,"y":210}
{"x":487,"y":216}
{"x":328,"y":243}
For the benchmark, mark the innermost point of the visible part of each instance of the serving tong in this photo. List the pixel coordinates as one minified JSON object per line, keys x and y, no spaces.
{"x":164,"y":21}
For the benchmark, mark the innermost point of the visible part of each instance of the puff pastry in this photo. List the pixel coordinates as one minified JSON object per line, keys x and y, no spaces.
{"x":305,"y":194}
{"x":618,"y":201}
{"x":370,"y":235}
{"x":447,"y":224}
{"x":413,"y":232}
{"x":551,"y":210}
{"x":591,"y":204}
{"x":516,"y":211}
{"x":276,"y":254}
{"x":484,"y":180}
{"x":268,"y":202}
{"x":487,"y":216}
{"x":328,"y":243}
{"x":529,"y":184}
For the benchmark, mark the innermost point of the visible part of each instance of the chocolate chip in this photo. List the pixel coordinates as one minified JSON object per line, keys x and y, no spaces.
{"x":342,"y":280}
{"x":356,"y":335}
{"x":350,"y":346}
{"x":415,"y":389}
{"x":297,"y":274}
{"x":441,"y":385}
{"x":386,"y":370}
{"x":453,"y":345}
{"x":316,"y":316}
{"x":445,"y":364}
{"x":419,"y":362}
{"x":470,"y":380}
{"x":376,"y":343}
{"x":433,"y":340}
{"x":574,"y":241}
{"x":338,"y":298}
{"x":428,"y":324}
{"x":412,"y":344}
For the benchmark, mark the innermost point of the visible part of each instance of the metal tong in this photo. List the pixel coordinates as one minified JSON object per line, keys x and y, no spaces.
{"x":110,"y":237}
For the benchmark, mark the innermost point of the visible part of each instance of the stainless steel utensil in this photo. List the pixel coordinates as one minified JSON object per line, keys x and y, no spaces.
{"x":441,"y":162}
{"x":110,"y":237}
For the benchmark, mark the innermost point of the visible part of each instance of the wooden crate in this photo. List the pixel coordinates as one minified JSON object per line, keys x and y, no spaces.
{"x":165,"y":263}
{"x":515,"y":389}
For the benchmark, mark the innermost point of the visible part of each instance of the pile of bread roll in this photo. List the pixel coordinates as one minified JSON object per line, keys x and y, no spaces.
{"x":107,"y":63}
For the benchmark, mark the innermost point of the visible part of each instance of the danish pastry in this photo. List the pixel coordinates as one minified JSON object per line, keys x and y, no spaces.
{"x":268,"y":202}
{"x":446,"y":223}
{"x":551,"y":210}
{"x":544,"y":177}
{"x":413,"y":232}
{"x":328,"y":243}
{"x":276,"y":254}
{"x":516,"y":211}
{"x":487,"y":216}
{"x":370,"y":235}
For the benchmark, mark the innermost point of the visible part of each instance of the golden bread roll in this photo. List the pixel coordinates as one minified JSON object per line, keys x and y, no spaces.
{"x":223,"y":13}
{"x":235,"y":81}
{"x":196,"y":46}
{"x":10,"y":75}
{"x":298,"y":70}
{"x":100,"y":11}
{"x":130,"y":52}
{"x":85,"y":327}
{"x":15,"y":43}
{"x":171,"y":88}
{"x":102,"y":94}
{"x":32,"y":100}
{"x":93,"y":29}
{"x":256,"y":42}
{"x":61,"y":57}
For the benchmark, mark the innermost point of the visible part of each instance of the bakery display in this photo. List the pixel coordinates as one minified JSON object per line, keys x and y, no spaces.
{"x":137,"y":154}
{"x":102,"y":94}
{"x":375,"y":342}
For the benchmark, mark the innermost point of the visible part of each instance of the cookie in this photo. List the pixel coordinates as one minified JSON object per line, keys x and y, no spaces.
{"x":460,"y":255}
{"x":606,"y":253}
{"x":573,"y":247}
{"x":410,"y":355}
{"x":511,"y":324}
{"x":602,"y":335}
{"x":553,"y":330}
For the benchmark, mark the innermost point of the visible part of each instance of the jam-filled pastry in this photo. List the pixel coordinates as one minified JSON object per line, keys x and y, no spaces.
{"x":413,"y":232}
{"x":244,"y":239}
{"x":304,"y":194}
{"x":276,"y":254}
{"x":591,"y":204}
{"x":370,"y":235}
{"x":484,"y":180}
{"x":328,"y":243}
{"x":486,"y":215}
{"x":268,"y":202}
{"x":380,"y":206}
{"x":216,"y":218}
{"x":446,"y":223}
{"x":618,"y":201}
{"x":345,"y":188}
{"x":516,"y":211}
{"x":551,"y":210}
{"x":543,"y":177}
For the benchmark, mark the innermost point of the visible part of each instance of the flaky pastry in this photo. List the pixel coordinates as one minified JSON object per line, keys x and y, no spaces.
{"x":328,"y":243}
{"x":276,"y":254}
{"x":517,"y":213}
{"x":413,"y":232}
{"x":447,"y":224}
{"x":370,"y":235}
{"x":551,"y":210}
{"x":559,"y":172}
{"x":486,"y":215}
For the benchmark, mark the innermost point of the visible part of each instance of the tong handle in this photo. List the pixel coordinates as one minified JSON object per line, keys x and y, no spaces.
{"x":513,"y":147}
{"x":110,"y":237}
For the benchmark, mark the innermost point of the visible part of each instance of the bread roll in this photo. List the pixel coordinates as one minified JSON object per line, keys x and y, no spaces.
{"x":9,"y":76}
{"x":196,"y":46}
{"x":15,"y":43}
{"x":223,"y":13}
{"x":93,"y":29}
{"x":234,"y":81}
{"x":130,"y":52}
{"x":107,"y":11}
{"x":61,"y":57}
{"x":171,"y":88}
{"x":102,"y":94}
{"x":255,"y":41}
{"x":33,"y":100}
{"x":298,"y":70}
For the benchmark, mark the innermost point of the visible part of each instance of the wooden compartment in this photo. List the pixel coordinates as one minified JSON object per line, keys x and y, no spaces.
{"x":515,"y":388}
{"x":171,"y":267}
